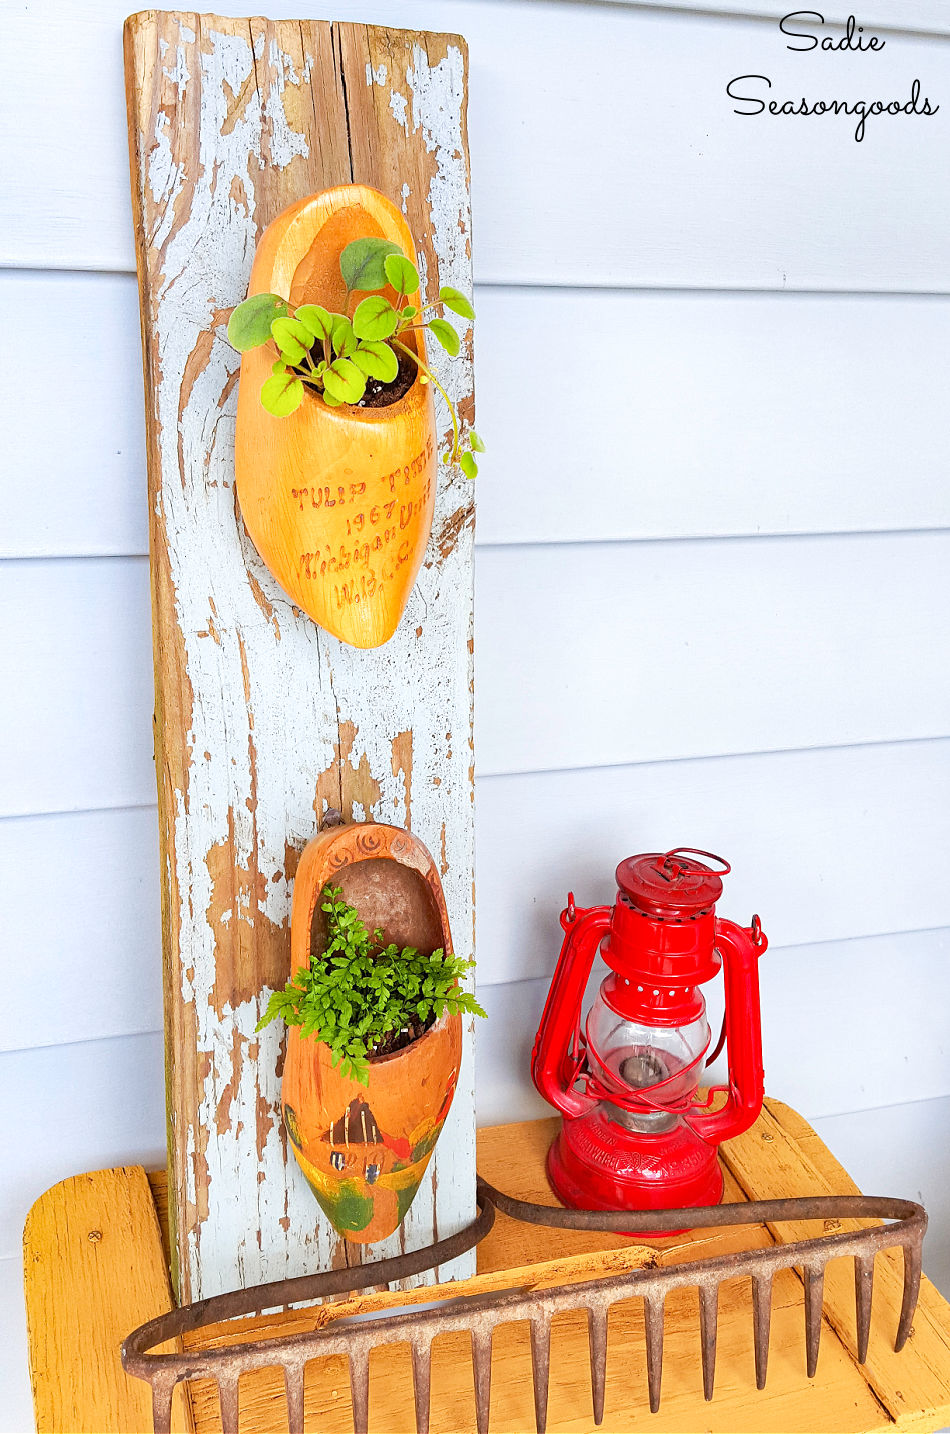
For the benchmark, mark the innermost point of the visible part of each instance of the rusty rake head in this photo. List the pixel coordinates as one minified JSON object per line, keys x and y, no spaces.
{"x":479,"y":1315}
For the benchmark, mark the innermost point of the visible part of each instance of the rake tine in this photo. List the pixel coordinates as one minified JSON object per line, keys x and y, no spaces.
{"x":228,"y":1395}
{"x":653,"y":1321}
{"x":541,"y":1368}
{"x":814,"y":1291}
{"x":162,"y":1392}
{"x":422,"y":1382}
{"x":597,"y":1338}
{"x":708,"y":1330}
{"x":912,"y":1257}
{"x":293,"y":1386}
{"x":359,"y":1388}
{"x":761,"y":1324}
{"x":481,"y":1361}
{"x":863,"y":1287}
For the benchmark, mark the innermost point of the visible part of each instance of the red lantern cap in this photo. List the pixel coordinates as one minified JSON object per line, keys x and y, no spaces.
{"x":661,"y":883}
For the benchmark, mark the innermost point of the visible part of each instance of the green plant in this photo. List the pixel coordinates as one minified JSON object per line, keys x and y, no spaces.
{"x":334,"y":354}
{"x":365,"y":999}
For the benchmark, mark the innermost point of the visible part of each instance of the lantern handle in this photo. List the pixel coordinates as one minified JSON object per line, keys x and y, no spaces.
{"x":758,"y":939}
{"x":693,"y":851}
{"x":740,"y":948}
{"x":559,"y":1055}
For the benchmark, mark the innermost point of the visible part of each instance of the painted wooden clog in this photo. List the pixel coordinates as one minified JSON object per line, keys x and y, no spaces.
{"x":364,"y":1149}
{"x":338,"y":501}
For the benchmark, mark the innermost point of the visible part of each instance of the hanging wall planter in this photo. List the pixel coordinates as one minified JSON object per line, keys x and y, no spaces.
{"x":336,"y":453}
{"x":363,"y":1105}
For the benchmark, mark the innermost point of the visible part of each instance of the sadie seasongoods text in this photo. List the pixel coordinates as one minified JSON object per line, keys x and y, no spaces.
{"x":746,"y":90}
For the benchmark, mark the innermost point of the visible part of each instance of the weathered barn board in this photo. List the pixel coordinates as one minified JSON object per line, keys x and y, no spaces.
{"x":263,"y":721}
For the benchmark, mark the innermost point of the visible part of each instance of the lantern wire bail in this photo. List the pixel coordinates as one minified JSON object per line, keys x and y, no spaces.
{"x":695,"y":851}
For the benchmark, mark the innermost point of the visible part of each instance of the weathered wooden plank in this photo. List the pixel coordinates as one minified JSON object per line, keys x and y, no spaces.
{"x":93,"y":1270}
{"x":262,"y":721}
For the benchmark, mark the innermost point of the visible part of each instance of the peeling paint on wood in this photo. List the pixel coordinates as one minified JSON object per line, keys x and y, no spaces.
{"x":264,"y":721}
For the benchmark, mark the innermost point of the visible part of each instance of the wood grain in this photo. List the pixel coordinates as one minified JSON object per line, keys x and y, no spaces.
{"x":894,"y":1392}
{"x":94,"y":1269}
{"x":262,"y":721}
{"x":914,"y":1384}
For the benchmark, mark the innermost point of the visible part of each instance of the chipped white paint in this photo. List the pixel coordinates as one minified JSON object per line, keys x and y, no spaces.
{"x":375,"y":76}
{"x":284,"y":141}
{"x":399,"y":109}
{"x":255,"y":763}
{"x":437,"y":98}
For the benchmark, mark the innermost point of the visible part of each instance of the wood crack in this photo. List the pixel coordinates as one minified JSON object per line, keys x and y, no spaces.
{"x":346,"y":104}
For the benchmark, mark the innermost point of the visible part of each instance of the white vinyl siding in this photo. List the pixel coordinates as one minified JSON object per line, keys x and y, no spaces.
{"x":711,"y":566}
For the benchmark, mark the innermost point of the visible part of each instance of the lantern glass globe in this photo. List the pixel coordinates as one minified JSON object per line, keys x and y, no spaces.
{"x":631,"y":1056}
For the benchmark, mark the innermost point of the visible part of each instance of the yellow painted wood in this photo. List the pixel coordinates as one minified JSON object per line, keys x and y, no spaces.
{"x":94,"y":1268}
{"x":781,"y":1155}
{"x":775,"y":1159}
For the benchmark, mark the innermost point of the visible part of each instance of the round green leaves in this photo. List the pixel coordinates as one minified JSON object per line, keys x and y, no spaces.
{"x":334,"y":355}
{"x":250,"y":323}
{"x":361,"y":263}
{"x":375,"y":318}
{"x":401,"y":273}
{"x":446,"y":335}
{"x":344,"y":381}
{"x":377,"y":360}
{"x":457,"y":302}
{"x":282,"y":394}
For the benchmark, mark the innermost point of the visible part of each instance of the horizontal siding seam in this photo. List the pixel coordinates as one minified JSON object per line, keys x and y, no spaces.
{"x":646,"y":540}
{"x":774,"y":946}
{"x":86,"y":1041}
{"x":68,"y":812}
{"x":833,"y":15}
{"x":815,"y":535}
{"x":554,"y":285}
{"x":764,"y":753}
{"x":888,"y":1105}
{"x":715,"y":757}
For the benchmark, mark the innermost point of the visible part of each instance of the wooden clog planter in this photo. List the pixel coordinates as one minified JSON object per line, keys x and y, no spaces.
{"x":364,"y":1149}
{"x":338,"y":501}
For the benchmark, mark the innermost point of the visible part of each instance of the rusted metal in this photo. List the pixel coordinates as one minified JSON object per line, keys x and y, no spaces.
{"x":480,"y":1315}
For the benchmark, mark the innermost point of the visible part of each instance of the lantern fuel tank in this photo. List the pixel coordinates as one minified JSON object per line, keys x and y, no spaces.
{"x":635,"y":1133}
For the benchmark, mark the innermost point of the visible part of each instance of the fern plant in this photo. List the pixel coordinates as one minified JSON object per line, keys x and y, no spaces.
{"x":364,"y":998}
{"x":334,"y":355}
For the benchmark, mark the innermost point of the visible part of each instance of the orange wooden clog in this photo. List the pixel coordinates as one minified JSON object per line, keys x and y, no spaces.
{"x":364,"y":1149}
{"x":338,"y":501}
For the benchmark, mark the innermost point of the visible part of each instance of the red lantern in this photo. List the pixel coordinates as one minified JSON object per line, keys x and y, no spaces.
{"x":635,"y":1134}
